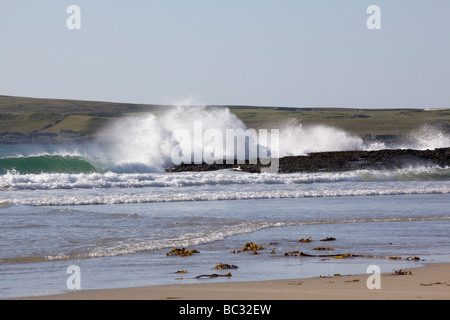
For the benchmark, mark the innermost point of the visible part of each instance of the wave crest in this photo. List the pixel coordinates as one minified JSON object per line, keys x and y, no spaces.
{"x":112,"y":180}
{"x":46,"y":164}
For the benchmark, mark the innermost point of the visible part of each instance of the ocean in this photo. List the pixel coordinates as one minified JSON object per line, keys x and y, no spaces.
{"x":77,"y":206}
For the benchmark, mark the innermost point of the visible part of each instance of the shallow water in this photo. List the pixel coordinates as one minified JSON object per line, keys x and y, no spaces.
{"x":117,"y":227}
{"x":126,"y":245}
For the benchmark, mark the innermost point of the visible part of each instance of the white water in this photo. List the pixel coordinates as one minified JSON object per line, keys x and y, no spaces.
{"x":298,"y":140}
{"x":145,"y":143}
{"x":427,"y":137}
{"x":111,"y":180}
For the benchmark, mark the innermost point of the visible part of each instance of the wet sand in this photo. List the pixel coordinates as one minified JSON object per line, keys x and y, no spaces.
{"x":431,"y":282}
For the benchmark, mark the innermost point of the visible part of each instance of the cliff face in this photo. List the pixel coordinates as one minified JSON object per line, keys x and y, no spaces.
{"x":339,"y":161}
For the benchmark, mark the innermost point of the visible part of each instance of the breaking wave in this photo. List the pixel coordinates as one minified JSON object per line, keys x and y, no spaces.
{"x":148,"y":142}
{"x":112,"y":180}
{"x":46,"y":164}
{"x":241,"y":192}
{"x":427,"y":137}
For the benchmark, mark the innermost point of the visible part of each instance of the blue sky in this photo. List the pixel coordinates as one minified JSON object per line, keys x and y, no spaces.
{"x":290,"y":53}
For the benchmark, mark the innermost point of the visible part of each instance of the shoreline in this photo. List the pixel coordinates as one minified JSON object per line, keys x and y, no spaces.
{"x":430,"y":282}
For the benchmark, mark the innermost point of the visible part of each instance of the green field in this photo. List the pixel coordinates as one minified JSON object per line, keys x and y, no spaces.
{"x":23,"y":117}
{"x":361,"y":122}
{"x":28,"y":115}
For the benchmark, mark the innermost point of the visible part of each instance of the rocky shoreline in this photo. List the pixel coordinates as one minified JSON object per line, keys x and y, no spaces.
{"x":337,"y":161}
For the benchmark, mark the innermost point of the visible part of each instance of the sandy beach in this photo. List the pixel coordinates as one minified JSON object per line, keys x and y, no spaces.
{"x":431,"y":282}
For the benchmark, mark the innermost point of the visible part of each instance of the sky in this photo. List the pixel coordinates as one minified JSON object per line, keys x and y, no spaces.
{"x":287,"y":53}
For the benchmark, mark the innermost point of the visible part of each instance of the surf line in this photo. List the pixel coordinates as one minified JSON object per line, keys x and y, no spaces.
{"x":238,"y":146}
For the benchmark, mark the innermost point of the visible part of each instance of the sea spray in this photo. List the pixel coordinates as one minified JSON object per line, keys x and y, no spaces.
{"x":427,"y":137}
{"x":297,"y":139}
{"x":183,"y":134}
{"x":147,"y":143}
{"x":151,"y":142}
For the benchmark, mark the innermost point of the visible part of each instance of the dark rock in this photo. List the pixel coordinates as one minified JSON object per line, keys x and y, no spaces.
{"x":337,"y":161}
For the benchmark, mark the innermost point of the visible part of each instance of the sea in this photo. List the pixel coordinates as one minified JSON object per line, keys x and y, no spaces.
{"x":101,"y":215}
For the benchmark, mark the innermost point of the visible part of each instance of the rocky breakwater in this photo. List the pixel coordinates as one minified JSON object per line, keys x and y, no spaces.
{"x":386,"y":159}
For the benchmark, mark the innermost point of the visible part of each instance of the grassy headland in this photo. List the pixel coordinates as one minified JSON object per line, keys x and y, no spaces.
{"x":31,"y":120}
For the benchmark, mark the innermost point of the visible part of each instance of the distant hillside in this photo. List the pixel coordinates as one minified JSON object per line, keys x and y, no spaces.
{"x":384,"y":124}
{"x":30,"y":120}
{"x":35,"y":120}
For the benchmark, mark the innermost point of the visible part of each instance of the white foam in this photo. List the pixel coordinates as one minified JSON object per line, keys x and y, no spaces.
{"x":296,"y":139}
{"x":145,"y":143}
{"x":427,"y":137}
{"x":314,"y":191}
{"x":108,"y":180}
